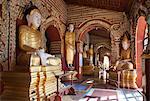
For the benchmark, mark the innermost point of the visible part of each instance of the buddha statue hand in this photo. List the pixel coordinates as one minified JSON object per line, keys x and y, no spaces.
{"x":43,"y":56}
{"x":35,"y":59}
{"x":126,"y":60}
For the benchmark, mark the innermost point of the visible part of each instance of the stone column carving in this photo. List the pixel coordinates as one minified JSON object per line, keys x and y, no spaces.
{"x":79,"y":46}
{"x":79,"y":58}
{"x":115,"y":42}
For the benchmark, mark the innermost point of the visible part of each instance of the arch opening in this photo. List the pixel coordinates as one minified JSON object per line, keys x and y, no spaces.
{"x":97,"y":37}
{"x":53,"y":40}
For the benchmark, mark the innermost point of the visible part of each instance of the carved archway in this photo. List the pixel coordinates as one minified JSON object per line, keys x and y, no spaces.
{"x":115,"y":33}
{"x":98,"y":46}
{"x":91,"y":24}
{"x":53,"y":42}
{"x":50,"y":21}
{"x":55,"y":22}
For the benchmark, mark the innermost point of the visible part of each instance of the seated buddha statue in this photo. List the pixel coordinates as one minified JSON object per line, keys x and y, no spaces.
{"x":31,"y":48}
{"x":124,"y":67}
{"x":30,"y":39}
{"x":125,"y":57}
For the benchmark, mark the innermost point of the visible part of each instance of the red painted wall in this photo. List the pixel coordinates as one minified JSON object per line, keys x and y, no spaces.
{"x":140,"y":32}
{"x":53,"y":34}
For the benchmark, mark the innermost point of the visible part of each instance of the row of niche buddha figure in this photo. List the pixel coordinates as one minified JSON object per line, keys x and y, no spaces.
{"x":88,"y":54}
{"x":31,"y":42}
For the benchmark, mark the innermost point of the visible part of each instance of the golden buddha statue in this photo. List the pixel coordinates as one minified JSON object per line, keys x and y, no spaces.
{"x":125,"y":50}
{"x":70,"y":45}
{"x":91,"y":52}
{"x":125,"y":56}
{"x":30,"y":39}
{"x":124,"y":67}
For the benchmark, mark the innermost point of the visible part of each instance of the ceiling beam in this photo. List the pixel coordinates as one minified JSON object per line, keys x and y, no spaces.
{"x":99,"y":35}
{"x":117,"y":5}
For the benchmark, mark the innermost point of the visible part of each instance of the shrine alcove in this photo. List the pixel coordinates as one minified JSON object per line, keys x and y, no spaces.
{"x":53,"y":43}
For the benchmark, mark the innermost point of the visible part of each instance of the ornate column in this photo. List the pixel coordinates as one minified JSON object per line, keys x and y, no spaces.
{"x":96,"y":56}
{"x":4,"y":37}
{"x":79,"y":58}
{"x":132,"y":40}
{"x":8,"y":39}
{"x":115,"y":50}
{"x":115,"y":42}
{"x":133,"y":48}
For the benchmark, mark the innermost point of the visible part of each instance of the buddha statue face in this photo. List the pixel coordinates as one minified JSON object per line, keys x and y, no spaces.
{"x":125,"y":43}
{"x":71,"y":28}
{"x":85,"y":47}
{"x":34,"y":18}
{"x":91,"y":46}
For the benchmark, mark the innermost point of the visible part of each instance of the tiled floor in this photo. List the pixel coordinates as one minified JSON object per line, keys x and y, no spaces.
{"x":121,"y":95}
{"x":129,"y":95}
{"x":105,"y":95}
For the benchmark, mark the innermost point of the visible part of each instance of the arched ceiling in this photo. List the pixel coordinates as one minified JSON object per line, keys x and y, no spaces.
{"x":117,"y":5}
{"x":103,"y":51}
{"x":100,"y":32}
{"x":100,"y":36}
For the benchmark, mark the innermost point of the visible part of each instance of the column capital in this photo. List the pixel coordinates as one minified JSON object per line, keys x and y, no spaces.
{"x":79,"y":46}
{"x":117,"y":40}
{"x":116,"y":32}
